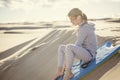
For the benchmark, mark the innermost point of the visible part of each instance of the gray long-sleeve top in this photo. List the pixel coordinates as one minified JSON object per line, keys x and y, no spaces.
{"x":86,"y":37}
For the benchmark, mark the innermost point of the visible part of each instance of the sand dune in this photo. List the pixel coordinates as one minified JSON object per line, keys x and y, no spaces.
{"x":37,"y":58}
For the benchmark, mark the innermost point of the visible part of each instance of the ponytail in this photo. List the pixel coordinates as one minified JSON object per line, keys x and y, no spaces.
{"x":84,"y":17}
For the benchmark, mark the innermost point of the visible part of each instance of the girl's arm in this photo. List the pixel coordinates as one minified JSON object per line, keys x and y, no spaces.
{"x":82,"y":34}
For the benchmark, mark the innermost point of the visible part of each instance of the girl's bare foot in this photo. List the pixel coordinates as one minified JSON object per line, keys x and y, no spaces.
{"x":59,"y":73}
{"x":68,"y":75}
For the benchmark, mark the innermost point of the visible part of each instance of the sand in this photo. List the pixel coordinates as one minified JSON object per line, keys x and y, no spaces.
{"x":32,"y":54}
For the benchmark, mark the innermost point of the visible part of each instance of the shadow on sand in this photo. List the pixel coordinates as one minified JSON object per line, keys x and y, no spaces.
{"x":13,"y":50}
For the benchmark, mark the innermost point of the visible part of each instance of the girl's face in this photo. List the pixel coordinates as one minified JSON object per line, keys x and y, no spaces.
{"x":76,"y":20}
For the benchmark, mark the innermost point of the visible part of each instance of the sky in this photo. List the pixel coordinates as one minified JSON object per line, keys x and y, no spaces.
{"x":51,"y":10}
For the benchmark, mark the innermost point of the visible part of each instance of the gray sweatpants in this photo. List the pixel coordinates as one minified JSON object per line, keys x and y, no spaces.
{"x":68,"y":52}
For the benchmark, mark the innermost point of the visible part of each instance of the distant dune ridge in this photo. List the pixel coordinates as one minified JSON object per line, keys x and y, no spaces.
{"x":36,"y":59}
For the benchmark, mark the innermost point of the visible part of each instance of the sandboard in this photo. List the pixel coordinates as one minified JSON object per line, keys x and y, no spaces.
{"x":104,"y":53}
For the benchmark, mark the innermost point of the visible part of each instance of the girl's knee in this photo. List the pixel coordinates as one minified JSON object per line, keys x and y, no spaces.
{"x":69,"y":46}
{"x":61,"y":46}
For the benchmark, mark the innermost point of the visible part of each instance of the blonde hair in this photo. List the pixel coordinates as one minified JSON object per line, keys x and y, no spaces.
{"x":77,"y":12}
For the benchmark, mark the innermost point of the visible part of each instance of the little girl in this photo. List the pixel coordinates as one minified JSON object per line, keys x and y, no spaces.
{"x":84,"y":48}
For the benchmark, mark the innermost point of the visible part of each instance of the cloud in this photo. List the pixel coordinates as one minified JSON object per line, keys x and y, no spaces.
{"x":8,"y":3}
{"x":21,"y":4}
{"x":13,"y":4}
{"x":24,"y":4}
{"x":1,"y":4}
